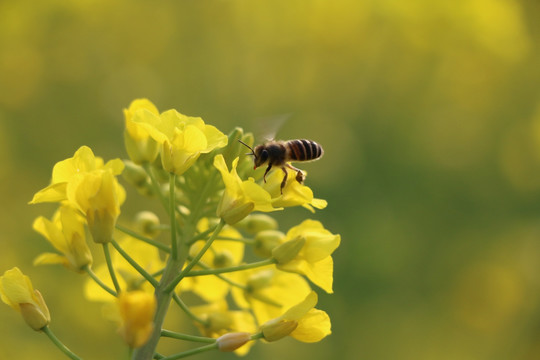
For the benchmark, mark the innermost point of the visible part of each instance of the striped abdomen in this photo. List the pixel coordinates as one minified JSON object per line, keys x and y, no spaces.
{"x":304,"y":150}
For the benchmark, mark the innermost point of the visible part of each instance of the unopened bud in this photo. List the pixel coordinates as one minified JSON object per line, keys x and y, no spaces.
{"x":235,"y":213}
{"x":147,"y":223}
{"x":223,"y":259}
{"x":218,"y":321}
{"x":266,"y":241}
{"x":37,"y":316}
{"x":275,"y":329}
{"x":232,"y":341}
{"x":255,"y":223}
{"x":259,"y":280}
{"x":134,"y":174}
{"x":288,"y":250}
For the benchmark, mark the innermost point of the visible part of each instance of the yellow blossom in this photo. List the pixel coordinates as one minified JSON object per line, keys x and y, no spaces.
{"x":66,"y":233}
{"x":268,"y":291}
{"x":302,"y":322}
{"x":314,"y":258}
{"x":140,"y":146}
{"x":240,"y":197}
{"x":99,"y":196}
{"x":293,"y":194}
{"x":17,"y":291}
{"x":83,"y":161}
{"x":182,"y":138}
{"x":137,"y":309}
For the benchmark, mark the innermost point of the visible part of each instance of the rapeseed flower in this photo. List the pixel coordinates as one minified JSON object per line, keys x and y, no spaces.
{"x":17,"y":291}
{"x":302,"y":322}
{"x":182,"y":138}
{"x":241,"y":197}
{"x":82,"y":162}
{"x":268,"y":291}
{"x":140,"y":146}
{"x":293,"y":194}
{"x":66,"y":233}
{"x":137,"y":309}
{"x":313,"y":246}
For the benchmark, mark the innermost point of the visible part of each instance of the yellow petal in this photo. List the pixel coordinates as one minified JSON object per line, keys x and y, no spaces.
{"x":313,"y":327}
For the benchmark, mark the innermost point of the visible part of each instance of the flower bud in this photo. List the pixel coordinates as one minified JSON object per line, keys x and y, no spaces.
{"x":217,"y":321}
{"x":37,"y":316}
{"x":259,"y":280}
{"x":288,"y":250}
{"x":147,"y":223}
{"x":235,"y":212}
{"x":232,"y":341}
{"x":266,"y":241}
{"x":223,"y":259}
{"x":255,"y":223}
{"x":134,"y":174}
{"x":276,"y":329}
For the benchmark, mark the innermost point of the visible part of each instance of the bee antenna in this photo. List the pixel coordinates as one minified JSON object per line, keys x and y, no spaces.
{"x":249,"y":147}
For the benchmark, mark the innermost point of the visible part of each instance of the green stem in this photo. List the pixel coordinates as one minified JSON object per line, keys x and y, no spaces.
{"x":59,"y":344}
{"x":192,"y":352}
{"x":179,"y":336}
{"x":196,"y":258}
{"x":224,"y":278}
{"x":98,"y":281}
{"x":188,"y":312}
{"x":172,"y":214}
{"x":257,"y":336}
{"x":231,"y":269}
{"x":143,"y":238}
{"x":155,"y":184}
{"x":110,"y":267}
{"x":133,"y":263}
{"x":243,"y":240}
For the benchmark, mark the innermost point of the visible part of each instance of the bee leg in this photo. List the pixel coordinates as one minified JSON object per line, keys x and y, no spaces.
{"x":300,"y":176}
{"x":266,"y":172}
{"x":284,"y":179}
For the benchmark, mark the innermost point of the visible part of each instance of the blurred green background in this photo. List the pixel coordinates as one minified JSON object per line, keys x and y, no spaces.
{"x":429,"y":113}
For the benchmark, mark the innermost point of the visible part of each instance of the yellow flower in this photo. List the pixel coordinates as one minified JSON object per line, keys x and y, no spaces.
{"x":182,"y":138}
{"x":137,"y":309}
{"x":144,"y":254}
{"x":294,"y":193}
{"x":17,"y":291}
{"x":268,"y":291}
{"x":66,"y":233}
{"x":140,"y":146}
{"x":312,"y":259}
{"x":222,"y":253}
{"x":220,"y":321}
{"x":83,"y":161}
{"x":99,"y":196}
{"x":240,"y":197}
{"x":302,"y":322}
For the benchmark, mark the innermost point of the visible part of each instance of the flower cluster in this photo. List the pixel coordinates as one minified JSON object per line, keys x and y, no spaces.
{"x":214,"y":239}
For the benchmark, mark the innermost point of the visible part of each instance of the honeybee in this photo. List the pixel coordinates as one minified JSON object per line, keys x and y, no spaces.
{"x":280,"y":153}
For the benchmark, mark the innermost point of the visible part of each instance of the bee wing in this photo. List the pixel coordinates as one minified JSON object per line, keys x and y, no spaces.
{"x":268,"y":126}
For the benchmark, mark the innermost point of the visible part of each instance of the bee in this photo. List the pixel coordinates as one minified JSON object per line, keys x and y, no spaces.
{"x":280,"y":153}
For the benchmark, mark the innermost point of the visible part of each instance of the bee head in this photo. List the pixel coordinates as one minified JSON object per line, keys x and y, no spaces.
{"x":252,"y":153}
